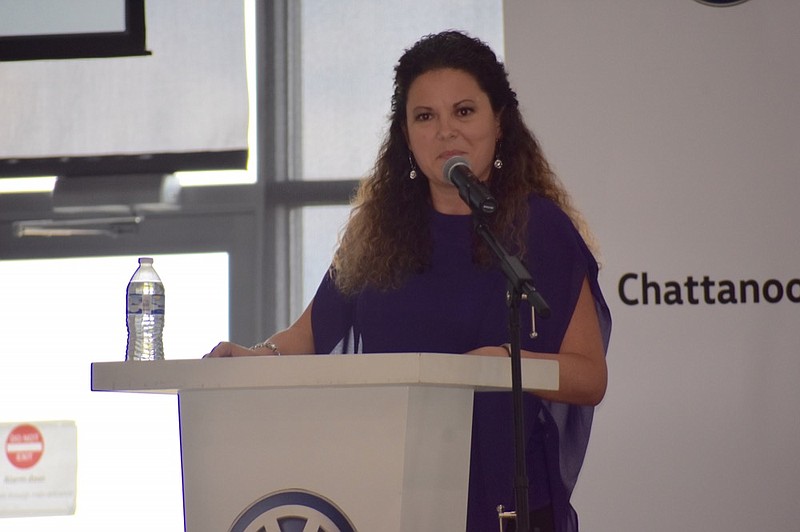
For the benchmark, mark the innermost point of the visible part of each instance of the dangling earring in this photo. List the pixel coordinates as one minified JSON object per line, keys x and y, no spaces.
{"x":498,"y":162}
{"x":413,"y":173}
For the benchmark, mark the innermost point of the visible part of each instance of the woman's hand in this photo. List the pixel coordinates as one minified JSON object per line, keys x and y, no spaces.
{"x":583,"y":374}
{"x":298,"y":339}
{"x":229,"y":349}
{"x":491,"y":351}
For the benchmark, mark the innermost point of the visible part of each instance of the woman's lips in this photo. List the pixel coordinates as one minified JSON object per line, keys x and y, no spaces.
{"x":449,"y":154}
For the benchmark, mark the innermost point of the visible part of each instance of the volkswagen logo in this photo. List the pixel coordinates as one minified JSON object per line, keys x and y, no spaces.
{"x":288,"y":511}
{"x":721,"y":3}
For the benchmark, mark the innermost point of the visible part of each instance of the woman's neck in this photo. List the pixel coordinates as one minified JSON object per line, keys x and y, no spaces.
{"x":446,"y":200}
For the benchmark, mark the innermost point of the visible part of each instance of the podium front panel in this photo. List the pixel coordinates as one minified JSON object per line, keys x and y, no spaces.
{"x":388,"y":458}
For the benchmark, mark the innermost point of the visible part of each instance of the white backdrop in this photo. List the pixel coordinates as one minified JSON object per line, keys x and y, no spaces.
{"x":677,"y":128}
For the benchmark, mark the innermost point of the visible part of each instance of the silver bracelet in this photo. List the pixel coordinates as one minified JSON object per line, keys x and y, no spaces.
{"x":268,"y":344}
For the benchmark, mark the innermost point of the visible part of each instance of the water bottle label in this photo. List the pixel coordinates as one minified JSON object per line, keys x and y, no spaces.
{"x":146,"y":303}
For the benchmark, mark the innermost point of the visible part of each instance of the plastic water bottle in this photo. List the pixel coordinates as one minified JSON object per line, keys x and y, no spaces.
{"x":145,"y":313}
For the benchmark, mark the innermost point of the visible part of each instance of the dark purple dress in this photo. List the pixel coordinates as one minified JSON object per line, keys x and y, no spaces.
{"x":454,"y":307}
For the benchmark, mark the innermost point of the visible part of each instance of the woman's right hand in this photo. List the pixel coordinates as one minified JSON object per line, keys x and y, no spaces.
{"x":298,"y":339}
{"x":229,"y":349}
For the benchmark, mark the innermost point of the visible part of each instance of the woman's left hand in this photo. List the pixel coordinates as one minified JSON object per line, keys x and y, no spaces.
{"x":491,"y":351}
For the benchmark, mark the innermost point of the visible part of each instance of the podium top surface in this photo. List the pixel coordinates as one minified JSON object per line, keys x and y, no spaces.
{"x":467,"y":371}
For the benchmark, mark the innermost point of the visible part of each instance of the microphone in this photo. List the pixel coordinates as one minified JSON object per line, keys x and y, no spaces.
{"x":470,"y":189}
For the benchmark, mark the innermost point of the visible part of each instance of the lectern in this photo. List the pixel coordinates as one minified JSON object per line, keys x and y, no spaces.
{"x":324,"y":442}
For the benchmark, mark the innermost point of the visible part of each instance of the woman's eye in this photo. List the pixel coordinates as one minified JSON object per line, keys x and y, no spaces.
{"x":422,"y":117}
{"x":464,"y":111}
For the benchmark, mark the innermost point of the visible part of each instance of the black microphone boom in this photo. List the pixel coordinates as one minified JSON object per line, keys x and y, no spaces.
{"x":472,"y":191}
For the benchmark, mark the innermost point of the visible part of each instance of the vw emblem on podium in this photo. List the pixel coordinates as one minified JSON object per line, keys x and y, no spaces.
{"x":721,"y":3}
{"x":292,"y":511}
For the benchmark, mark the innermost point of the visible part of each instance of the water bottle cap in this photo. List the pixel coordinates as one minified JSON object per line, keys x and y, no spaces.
{"x":145,"y":260}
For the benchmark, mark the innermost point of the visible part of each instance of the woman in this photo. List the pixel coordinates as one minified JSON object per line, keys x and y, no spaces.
{"x":410,"y":275}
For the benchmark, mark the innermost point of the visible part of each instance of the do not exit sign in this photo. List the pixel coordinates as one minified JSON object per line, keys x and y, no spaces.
{"x":24,"y":446}
{"x":38,"y":468}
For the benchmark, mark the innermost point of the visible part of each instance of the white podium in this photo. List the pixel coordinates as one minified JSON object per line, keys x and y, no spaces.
{"x":324,"y":442}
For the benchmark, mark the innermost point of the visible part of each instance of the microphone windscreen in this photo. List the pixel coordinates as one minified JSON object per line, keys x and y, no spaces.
{"x":451,"y":163}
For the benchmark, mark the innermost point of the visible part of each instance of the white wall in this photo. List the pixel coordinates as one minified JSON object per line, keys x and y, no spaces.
{"x":677,"y":128}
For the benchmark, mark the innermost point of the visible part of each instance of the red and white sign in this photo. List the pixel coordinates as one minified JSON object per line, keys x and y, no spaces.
{"x":32,"y":482}
{"x":24,"y":446}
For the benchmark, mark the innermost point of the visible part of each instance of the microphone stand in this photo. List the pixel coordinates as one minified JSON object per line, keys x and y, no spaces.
{"x":520,"y":286}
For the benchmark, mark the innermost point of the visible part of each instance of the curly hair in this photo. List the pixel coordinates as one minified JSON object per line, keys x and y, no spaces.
{"x":387,"y":237}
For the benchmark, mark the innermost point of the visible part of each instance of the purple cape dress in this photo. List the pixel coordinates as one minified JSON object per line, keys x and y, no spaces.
{"x":455,"y":306}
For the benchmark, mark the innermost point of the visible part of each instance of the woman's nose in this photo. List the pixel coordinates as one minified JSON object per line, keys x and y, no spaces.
{"x":447,"y":129}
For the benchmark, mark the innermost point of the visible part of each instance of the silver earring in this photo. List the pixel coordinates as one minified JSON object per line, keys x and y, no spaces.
{"x":498,"y":163}
{"x":413,"y":173}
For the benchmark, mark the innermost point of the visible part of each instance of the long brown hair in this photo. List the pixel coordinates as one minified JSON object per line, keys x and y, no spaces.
{"x":387,"y":236}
